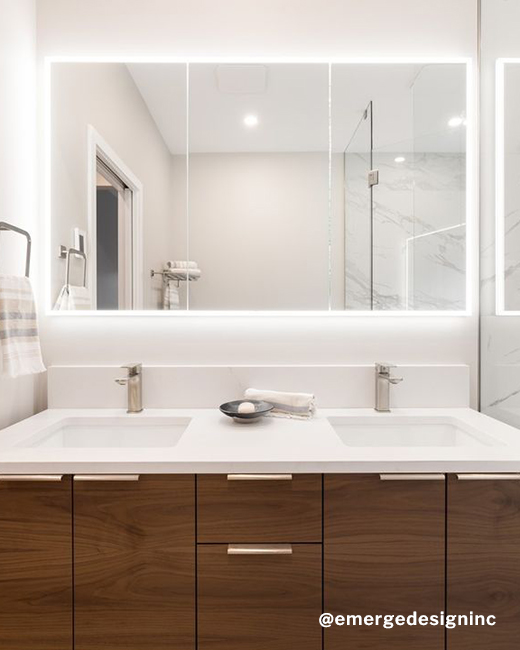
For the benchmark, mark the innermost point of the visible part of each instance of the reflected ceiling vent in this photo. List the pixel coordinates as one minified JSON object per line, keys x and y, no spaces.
{"x":242,"y":79}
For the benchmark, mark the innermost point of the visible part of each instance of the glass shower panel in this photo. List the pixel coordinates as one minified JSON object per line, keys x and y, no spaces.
{"x":357,"y":201}
{"x":500,"y":332}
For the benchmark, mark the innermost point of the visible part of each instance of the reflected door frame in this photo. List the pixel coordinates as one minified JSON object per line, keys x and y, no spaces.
{"x":133,"y":206}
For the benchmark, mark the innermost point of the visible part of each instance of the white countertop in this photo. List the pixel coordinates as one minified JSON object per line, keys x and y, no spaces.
{"x":213,"y":443}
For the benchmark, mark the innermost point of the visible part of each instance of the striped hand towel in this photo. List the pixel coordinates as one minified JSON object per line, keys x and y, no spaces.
{"x":19,"y":340}
{"x":171,"y":298}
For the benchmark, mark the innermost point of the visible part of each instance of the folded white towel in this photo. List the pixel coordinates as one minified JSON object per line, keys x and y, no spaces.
{"x":73,"y":298}
{"x":294,"y":405}
{"x":184,"y":274}
{"x":21,"y":353}
{"x":171,"y":298}
{"x":181,"y":264}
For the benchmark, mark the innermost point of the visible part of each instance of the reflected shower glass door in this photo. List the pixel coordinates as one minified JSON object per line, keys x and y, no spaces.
{"x":357,"y":164}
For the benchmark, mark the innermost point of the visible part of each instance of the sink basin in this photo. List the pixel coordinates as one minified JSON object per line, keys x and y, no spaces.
{"x":82,"y":433}
{"x":407,"y":431}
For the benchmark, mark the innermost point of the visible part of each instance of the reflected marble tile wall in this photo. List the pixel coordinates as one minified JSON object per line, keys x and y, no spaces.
{"x":413,"y":265}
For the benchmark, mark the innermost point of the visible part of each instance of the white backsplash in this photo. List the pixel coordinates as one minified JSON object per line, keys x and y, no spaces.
{"x":208,"y":386}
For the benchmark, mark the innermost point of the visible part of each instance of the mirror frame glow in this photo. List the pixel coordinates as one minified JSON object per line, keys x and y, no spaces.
{"x":471,"y":183}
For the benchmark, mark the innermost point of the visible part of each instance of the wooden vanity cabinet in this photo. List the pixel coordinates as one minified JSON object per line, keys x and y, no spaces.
{"x":384,"y":553}
{"x":36,"y":563}
{"x":111,"y":563}
{"x":483,"y":565}
{"x":134,"y":563}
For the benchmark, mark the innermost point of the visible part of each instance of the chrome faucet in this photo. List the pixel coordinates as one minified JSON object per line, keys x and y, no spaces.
{"x":135,"y":387}
{"x":383,"y":381}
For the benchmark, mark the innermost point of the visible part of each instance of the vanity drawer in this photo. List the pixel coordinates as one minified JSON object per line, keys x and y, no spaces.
{"x":259,"y":508}
{"x":254,"y":596}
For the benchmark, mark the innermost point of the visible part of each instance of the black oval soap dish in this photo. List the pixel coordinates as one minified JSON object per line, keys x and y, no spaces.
{"x":231,"y":410}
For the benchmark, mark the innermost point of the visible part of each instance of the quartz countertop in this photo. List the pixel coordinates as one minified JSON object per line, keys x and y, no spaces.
{"x":214,"y":443}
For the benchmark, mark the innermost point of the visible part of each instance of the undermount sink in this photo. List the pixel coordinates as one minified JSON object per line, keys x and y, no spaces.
{"x":82,"y":433}
{"x":407,"y":431}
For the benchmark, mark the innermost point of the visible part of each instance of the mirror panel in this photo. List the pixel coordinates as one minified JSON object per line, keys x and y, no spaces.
{"x":258,"y":186}
{"x":509,"y":186}
{"x":118,"y":182}
{"x":405,"y":235}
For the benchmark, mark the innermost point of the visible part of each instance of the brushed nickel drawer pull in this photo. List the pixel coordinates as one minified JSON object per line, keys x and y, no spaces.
{"x":412,"y":477}
{"x":488,"y":477}
{"x":106,"y":477}
{"x":31,"y":477}
{"x":259,"y":549}
{"x":259,"y":477}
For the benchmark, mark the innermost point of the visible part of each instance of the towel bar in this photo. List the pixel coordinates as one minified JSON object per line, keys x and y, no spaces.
{"x":9,"y":226}
{"x":181,"y":275}
{"x":75,"y":251}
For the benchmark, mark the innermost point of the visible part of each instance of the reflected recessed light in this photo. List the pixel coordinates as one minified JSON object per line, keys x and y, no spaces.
{"x":400,"y":159}
{"x":456,"y":121}
{"x":250,"y":120}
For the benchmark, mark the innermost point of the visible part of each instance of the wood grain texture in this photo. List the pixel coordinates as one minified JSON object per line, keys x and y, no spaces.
{"x":254,"y":602}
{"x":134,"y":550}
{"x":36,"y":565}
{"x":484,"y":562}
{"x":384,"y":553}
{"x":259,"y":511}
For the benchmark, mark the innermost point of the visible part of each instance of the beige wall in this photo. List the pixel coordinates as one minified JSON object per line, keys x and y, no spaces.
{"x":259,"y":230}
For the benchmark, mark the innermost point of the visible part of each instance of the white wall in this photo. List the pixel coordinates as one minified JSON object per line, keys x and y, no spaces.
{"x":106,"y":97}
{"x":270,"y":28}
{"x":19,"y":397}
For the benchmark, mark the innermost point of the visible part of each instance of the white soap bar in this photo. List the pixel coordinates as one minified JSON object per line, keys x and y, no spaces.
{"x":246,"y":407}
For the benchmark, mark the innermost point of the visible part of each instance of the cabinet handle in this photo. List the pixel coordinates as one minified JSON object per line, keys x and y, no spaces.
{"x":106,"y":477}
{"x":412,"y":477}
{"x":488,"y":477}
{"x":31,"y":477}
{"x":259,"y":549}
{"x":259,"y":477}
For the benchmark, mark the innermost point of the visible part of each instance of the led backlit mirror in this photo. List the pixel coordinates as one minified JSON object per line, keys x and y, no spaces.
{"x":258,"y":186}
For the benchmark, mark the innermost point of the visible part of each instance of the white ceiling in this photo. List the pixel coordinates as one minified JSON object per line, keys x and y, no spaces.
{"x":411,"y":106}
{"x":163,"y":88}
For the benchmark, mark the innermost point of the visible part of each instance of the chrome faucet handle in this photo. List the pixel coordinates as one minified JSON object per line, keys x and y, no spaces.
{"x":133,"y":368}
